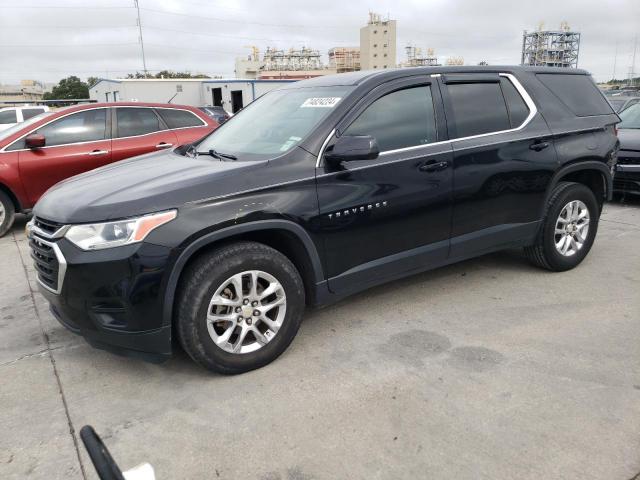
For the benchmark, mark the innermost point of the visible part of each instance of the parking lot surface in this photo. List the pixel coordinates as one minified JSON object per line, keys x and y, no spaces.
{"x":486,"y":369}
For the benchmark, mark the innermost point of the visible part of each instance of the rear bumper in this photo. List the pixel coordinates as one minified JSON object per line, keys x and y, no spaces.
{"x":627,"y":179}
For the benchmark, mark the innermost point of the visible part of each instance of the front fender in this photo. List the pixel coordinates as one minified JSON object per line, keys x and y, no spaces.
{"x":212,"y":237}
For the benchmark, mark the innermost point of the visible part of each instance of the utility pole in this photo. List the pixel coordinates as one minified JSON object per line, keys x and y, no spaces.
{"x":633,"y":62}
{"x":615,"y":61}
{"x":144,"y":62}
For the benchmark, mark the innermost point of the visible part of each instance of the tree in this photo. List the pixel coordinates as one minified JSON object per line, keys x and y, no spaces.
{"x":91,"y":81}
{"x":70,"y":87}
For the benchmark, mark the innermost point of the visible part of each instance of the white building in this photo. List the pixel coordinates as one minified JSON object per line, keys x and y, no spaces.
{"x":232,"y":95}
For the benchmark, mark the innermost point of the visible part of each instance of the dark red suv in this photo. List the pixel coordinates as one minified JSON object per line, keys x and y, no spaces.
{"x":38,"y":153}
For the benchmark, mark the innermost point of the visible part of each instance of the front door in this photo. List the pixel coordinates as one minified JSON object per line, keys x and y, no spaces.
{"x":390,"y":216}
{"x":504,"y":159}
{"x":74,"y":144}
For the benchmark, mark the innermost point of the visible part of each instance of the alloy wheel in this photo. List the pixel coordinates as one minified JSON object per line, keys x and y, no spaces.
{"x":572,"y":228}
{"x":246,"y":311}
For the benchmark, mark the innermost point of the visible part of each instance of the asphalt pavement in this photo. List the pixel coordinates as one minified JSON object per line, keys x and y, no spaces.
{"x":488,"y":369}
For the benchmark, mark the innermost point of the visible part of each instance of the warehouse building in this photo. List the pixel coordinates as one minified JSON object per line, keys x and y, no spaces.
{"x":232,"y":95}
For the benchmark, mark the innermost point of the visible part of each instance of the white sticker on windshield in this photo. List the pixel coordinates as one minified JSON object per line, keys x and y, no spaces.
{"x":321,"y":102}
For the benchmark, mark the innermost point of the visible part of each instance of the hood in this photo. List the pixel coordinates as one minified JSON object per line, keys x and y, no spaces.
{"x":629,"y":139}
{"x":140,"y":185}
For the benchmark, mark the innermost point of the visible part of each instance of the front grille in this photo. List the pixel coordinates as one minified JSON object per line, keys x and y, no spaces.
{"x":629,"y":160}
{"x":46,"y":263}
{"x":47,"y":226}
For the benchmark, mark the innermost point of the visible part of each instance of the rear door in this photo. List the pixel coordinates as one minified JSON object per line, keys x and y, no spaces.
{"x":504,"y":159}
{"x":139,"y":130}
{"x":186,"y":124}
{"x":385,"y":217}
{"x":74,"y":144}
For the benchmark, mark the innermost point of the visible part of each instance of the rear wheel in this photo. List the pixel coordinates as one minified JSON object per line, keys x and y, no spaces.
{"x":569,"y":228}
{"x":7,"y":213}
{"x":239,"y":307}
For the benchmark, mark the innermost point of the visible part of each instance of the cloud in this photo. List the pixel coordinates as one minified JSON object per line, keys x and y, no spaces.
{"x":51,"y":39}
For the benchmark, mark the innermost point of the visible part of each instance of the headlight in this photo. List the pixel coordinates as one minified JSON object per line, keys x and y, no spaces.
{"x":114,"y":234}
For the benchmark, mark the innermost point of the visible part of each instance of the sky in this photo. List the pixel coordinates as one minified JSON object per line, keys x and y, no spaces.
{"x":50,"y":39}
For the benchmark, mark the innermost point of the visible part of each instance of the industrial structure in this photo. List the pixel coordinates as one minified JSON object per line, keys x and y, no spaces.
{"x":378,"y":43}
{"x":551,"y":48}
{"x":415,"y":57}
{"x":27,"y":91}
{"x":344,"y":59}
{"x":377,"y":50}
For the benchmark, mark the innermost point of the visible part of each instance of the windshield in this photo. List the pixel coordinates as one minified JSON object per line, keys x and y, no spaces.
{"x":19,"y":126}
{"x":274,"y":123}
{"x":630,"y":117}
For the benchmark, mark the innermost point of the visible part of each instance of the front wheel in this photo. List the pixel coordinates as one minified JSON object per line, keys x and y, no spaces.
{"x":239,"y":307}
{"x":568,"y":230}
{"x":7,"y":213}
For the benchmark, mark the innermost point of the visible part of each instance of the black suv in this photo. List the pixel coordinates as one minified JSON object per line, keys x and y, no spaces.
{"x":316,"y":191}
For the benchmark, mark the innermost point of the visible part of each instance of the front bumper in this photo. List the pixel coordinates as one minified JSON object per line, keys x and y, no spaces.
{"x":112,"y":297}
{"x":627,"y":179}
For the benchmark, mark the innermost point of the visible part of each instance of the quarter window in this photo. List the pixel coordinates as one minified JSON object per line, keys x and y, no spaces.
{"x":404,"y":118}
{"x":8,"y":116}
{"x":86,"y":126}
{"x":179,"y":118}
{"x":136,"y":121}
{"x":478,"y":108}
{"x":28,"y":113}
{"x":518,"y":110}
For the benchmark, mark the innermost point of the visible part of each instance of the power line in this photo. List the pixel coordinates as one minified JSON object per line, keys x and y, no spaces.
{"x":243,"y":22}
{"x":68,"y":45}
{"x":65,"y":7}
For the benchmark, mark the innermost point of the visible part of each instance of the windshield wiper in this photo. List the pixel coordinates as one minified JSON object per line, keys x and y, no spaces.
{"x":218,"y":155}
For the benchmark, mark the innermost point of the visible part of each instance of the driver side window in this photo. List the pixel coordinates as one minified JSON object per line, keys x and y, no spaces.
{"x":85,"y":126}
{"x":400,"y":119}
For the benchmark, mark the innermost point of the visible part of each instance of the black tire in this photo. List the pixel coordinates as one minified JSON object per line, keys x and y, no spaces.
{"x":9,"y":213}
{"x":200,"y":282}
{"x":544,"y":253}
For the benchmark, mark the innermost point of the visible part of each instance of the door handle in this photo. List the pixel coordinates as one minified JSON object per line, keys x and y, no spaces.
{"x":164,"y":145}
{"x":538,"y":146}
{"x":433,"y":166}
{"x":98,"y":152}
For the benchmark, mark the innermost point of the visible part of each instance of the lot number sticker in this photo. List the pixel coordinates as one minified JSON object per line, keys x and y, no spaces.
{"x":321,"y":102}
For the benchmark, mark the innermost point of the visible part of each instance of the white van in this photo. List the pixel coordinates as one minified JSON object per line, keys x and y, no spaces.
{"x":9,"y":116}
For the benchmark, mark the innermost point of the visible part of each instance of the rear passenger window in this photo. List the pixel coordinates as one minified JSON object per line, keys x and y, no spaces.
{"x":578,"y":93}
{"x":179,"y":118}
{"x":136,"y":121}
{"x":518,"y":110}
{"x":27,"y":113}
{"x":478,"y":108}
{"x":404,"y":118}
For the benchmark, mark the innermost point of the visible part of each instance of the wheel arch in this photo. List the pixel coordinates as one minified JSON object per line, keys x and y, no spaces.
{"x":287,"y":237}
{"x":12,"y":196}
{"x":592,"y":173}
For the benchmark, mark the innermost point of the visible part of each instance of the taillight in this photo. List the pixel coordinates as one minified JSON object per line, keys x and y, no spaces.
{"x":615,"y":130}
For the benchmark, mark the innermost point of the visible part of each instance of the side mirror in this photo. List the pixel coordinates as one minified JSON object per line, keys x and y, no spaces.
{"x":35,"y":140}
{"x":356,"y":147}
